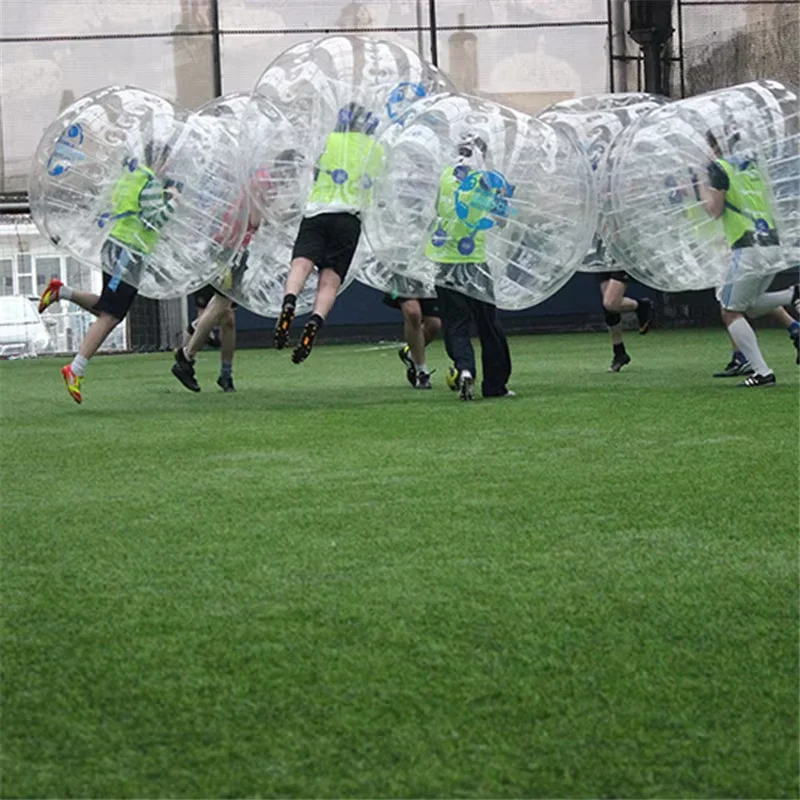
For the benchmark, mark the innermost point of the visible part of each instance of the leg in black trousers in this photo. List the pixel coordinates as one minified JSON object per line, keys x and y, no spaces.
{"x":456,"y":314}
{"x":495,"y":355}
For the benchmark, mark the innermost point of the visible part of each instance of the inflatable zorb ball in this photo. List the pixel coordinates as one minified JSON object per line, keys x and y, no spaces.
{"x":661,"y":169}
{"x":249,"y":278}
{"x":396,"y":279}
{"x":311,"y":122}
{"x":597,"y":121}
{"x":123,"y":170}
{"x":482,"y":199}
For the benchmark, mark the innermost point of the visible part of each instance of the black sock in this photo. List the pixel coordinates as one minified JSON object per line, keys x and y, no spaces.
{"x":619,"y":350}
{"x":289,"y":300}
{"x":316,"y":319}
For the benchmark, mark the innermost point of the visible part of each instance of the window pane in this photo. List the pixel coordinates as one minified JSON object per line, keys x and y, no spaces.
{"x":28,"y":18}
{"x":25,"y":285}
{"x":46,"y":268}
{"x":42,"y":78}
{"x":318,"y":15}
{"x":518,"y":12}
{"x":246,"y":56}
{"x":6,"y":277}
{"x":79,"y":275}
{"x":24,"y":264}
{"x":527,"y":68}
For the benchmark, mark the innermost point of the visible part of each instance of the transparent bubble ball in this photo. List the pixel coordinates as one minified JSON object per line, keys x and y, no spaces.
{"x":597,"y":121}
{"x":101,"y":151}
{"x":307,"y":97}
{"x":658,"y":227}
{"x":482,"y":199}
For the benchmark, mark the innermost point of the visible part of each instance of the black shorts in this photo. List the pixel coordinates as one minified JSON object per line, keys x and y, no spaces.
{"x":429,"y":305}
{"x":619,"y":275}
{"x":117,"y":296}
{"x":329,"y":240}
{"x":202,"y":297}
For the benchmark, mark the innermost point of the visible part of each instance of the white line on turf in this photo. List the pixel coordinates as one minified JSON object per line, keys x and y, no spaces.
{"x":377,"y":347}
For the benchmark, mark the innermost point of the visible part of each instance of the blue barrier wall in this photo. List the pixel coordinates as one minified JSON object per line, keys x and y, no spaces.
{"x":360,"y":305}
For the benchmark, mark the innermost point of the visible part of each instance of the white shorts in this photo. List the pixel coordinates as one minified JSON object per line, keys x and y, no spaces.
{"x":757,"y":267}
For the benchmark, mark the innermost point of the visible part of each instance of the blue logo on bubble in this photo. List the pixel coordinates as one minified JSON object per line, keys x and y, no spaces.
{"x":401,"y":99}
{"x":439,"y":237}
{"x":481,"y":197}
{"x":67,"y":151}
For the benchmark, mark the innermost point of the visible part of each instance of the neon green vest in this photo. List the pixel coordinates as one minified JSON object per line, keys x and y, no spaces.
{"x":130,"y":230}
{"x":746,"y":202}
{"x":449,"y":230}
{"x":346,"y":168}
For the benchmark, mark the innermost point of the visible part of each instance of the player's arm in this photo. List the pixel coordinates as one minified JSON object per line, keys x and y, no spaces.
{"x":712,"y":196}
{"x":156,"y":204}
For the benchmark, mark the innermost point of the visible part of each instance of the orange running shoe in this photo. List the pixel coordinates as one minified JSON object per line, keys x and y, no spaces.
{"x":50,"y":294}
{"x":73,"y":383}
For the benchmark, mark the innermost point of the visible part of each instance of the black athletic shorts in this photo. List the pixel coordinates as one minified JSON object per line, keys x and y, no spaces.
{"x":429,"y":305}
{"x":202,"y":297}
{"x":619,"y":275}
{"x":117,"y":296}
{"x":329,"y":240}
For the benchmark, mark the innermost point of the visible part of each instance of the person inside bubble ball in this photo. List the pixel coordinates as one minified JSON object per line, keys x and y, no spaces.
{"x":613,"y":285}
{"x":141,"y":203}
{"x":217,"y":312}
{"x":331,"y":225}
{"x":457,"y":245}
{"x":217,"y":309}
{"x":421,"y":324}
{"x":738,"y":194}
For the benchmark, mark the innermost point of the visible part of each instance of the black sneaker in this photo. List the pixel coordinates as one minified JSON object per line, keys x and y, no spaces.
{"x":643,"y":314}
{"x":411,"y":371}
{"x":734,"y":369}
{"x":183,"y":370}
{"x":619,"y":362}
{"x":303,"y":350}
{"x":225,"y":382}
{"x":423,"y":380}
{"x":758,"y":380}
{"x":281,"y":336}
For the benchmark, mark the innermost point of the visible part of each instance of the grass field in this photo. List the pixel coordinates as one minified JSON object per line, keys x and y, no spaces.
{"x":329,"y":585}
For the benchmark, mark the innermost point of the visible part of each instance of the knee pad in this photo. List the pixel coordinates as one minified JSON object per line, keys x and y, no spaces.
{"x":613,"y":318}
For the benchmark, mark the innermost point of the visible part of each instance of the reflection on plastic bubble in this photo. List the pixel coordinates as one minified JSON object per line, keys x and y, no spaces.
{"x":597,"y":121}
{"x":481,"y":199}
{"x":307,"y":134}
{"x":126,"y":181}
{"x":664,"y":173}
{"x":395,"y":279}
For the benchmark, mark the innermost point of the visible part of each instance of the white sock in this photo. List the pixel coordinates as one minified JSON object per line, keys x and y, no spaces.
{"x":744,"y":337}
{"x":769,"y":301}
{"x":187,"y":356}
{"x":423,"y":367}
{"x":65,"y":293}
{"x":79,"y":364}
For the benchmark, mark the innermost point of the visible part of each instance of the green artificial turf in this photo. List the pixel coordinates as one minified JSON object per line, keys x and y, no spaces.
{"x":329,"y":585}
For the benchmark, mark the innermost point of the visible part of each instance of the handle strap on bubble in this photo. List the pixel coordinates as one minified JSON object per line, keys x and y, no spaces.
{"x":761,"y":224}
{"x":107,"y":217}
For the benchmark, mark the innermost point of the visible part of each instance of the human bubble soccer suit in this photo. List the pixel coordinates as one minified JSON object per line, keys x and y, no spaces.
{"x":658,"y":229}
{"x":91,"y":145}
{"x":296,"y":105}
{"x":598,"y":121}
{"x":532,"y":203}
